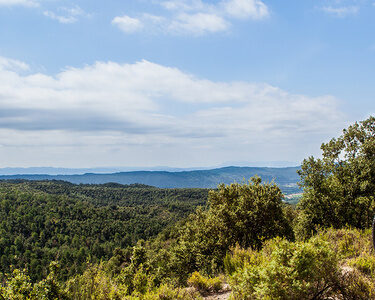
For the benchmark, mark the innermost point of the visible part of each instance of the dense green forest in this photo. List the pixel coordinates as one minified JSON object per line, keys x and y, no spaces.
{"x":51,"y":220}
{"x":244,"y":241}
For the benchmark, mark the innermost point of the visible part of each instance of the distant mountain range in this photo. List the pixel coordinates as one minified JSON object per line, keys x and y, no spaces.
{"x":286,"y":178}
{"x":118,"y":169}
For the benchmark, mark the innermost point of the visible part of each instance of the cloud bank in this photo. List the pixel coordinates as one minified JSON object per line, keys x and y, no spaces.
{"x":145,"y":107}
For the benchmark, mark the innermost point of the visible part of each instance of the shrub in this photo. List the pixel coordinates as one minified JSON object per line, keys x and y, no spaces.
{"x":354,"y":286}
{"x":18,"y":286}
{"x":349,"y":243}
{"x":364,"y":263}
{"x":336,"y":263}
{"x":94,"y":283}
{"x":239,"y":257}
{"x":166,"y":292}
{"x":292,"y":271}
{"x":205,"y":285}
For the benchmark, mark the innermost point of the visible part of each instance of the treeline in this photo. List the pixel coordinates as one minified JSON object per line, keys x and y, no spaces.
{"x":42,"y":222}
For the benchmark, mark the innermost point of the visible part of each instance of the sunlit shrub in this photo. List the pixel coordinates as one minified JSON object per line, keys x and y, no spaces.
{"x":355,"y":286}
{"x":166,"y":292}
{"x":94,"y":283}
{"x":291,"y":271}
{"x":18,"y":286}
{"x":238,"y":258}
{"x":364,"y":263}
{"x":204,"y":284}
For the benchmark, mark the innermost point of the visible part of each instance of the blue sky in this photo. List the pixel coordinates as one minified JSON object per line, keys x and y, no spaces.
{"x":180,"y":82}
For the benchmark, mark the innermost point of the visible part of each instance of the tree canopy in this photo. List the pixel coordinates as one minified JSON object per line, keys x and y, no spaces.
{"x":238,"y":214}
{"x":339,"y":188}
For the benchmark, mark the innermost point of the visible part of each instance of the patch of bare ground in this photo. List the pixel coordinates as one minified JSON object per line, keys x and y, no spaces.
{"x":223,"y":294}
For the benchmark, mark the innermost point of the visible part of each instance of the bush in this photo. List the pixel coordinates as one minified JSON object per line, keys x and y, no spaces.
{"x":288,"y":271}
{"x":18,"y":286}
{"x":205,"y":285}
{"x":349,"y":243}
{"x":166,"y":292}
{"x":94,"y":283}
{"x":239,"y":257}
{"x":336,"y":263}
{"x":364,"y":263}
{"x":354,"y":286}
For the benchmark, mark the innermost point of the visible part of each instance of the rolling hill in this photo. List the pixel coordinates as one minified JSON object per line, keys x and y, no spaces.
{"x":286,"y":178}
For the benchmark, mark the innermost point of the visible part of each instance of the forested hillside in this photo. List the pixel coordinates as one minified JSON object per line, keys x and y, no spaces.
{"x":50,"y":220}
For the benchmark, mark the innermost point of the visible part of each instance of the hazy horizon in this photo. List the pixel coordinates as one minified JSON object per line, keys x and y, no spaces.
{"x":113,"y":169}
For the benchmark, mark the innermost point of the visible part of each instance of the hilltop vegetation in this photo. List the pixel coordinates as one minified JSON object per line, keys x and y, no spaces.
{"x":245,"y":236}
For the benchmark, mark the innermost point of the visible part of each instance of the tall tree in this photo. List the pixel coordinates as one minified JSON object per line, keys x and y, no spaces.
{"x":238,"y":214}
{"x":339,"y":188}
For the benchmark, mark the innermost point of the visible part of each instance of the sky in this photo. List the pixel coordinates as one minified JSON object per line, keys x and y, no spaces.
{"x":180,"y":83}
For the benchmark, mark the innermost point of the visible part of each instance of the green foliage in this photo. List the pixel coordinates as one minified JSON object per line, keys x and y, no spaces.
{"x":239,"y":257}
{"x":339,"y":189}
{"x":45,"y":221}
{"x":354,"y":285}
{"x":250,"y":213}
{"x":364,"y":263}
{"x":349,"y":243}
{"x":134,"y":282}
{"x":244,"y":214}
{"x":98,"y":233}
{"x":205,"y":285}
{"x":94,"y":283}
{"x":319,"y":268}
{"x":166,"y":292}
{"x":288,"y":271}
{"x":18,"y":286}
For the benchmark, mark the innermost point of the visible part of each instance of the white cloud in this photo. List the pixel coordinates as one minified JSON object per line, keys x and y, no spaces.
{"x":184,"y":5}
{"x":244,"y":9}
{"x":342,"y":11}
{"x":241,"y":9}
{"x":197,"y":17}
{"x":67,"y":15}
{"x":60,"y":19}
{"x":199,"y":23}
{"x":12,"y":64}
{"x":18,"y":2}
{"x":74,"y":11}
{"x":146,"y":110}
{"x":127,"y":24}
